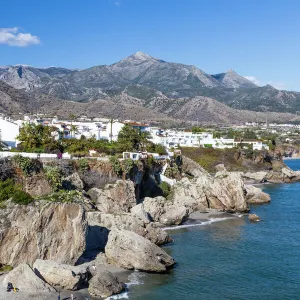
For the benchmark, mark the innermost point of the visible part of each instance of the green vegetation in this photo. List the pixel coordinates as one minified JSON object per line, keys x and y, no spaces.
{"x":5,"y":268}
{"x":26,"y":164}
{"x":197,"y":129}
{"x":7,"y":188}
{"x":54,"y":177}
{"x":116,"y":165}
{"x":165,"y":188}
{"x":37,"y":138}
{"x":63,"y":196}
{"x":83,"y":164}
{"x":21,"y":197}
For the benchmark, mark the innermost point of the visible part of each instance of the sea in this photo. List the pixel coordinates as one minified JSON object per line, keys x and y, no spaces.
{"x":234,"y":258}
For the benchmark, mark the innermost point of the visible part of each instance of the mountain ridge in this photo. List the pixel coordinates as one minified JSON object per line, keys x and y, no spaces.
{"x":149,"y":79}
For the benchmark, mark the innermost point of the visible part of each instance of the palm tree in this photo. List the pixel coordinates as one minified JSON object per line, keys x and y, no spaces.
{"x":73,"y":129}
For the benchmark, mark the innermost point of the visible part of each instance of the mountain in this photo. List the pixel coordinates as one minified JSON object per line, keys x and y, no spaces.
{"x":156,"y":109}
{"x":29,"y":78}
{"x":150,"y":82}
{"x":231,"y":79}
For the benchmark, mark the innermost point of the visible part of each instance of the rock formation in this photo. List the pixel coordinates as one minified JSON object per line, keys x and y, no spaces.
{"x":114,"y":198}
{"x":164,"y":211}
{"x":104,"y":285}
{"x":23,"y":278}
{"x":47,"y":231}
{"x":225,"y":191}
{"x":255,"y":195}
{"x":100,"y":224}
{"x":253,"y":218}
{"x":61,"y":275}
{"x":129,"y":250}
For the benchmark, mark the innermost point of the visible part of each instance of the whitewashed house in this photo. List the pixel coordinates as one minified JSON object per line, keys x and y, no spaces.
{"x":9,"y":132}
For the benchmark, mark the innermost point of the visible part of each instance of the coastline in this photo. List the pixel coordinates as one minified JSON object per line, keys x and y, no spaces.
{"x":290,"y":158}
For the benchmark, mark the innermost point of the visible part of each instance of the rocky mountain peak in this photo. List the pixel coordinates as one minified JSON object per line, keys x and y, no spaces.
{"x":141,"y":55}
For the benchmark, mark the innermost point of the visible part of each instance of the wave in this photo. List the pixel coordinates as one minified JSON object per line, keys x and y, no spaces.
{"x":135,"y":278}
{"x":210,"y":221}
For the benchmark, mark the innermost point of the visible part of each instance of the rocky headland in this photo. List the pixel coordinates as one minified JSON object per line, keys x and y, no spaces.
{"x":104,"y":228}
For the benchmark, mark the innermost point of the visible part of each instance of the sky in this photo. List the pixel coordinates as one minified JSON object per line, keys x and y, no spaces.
{"x":257,"y":38}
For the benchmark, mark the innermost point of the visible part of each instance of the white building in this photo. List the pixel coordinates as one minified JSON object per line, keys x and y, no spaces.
{"x":172,"y":138}
{"x":9,"y":132}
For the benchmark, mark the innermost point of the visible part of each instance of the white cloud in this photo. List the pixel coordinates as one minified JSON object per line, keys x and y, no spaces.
{"x":13,"y":37}
{"x":117,"y":3}
{"x":279,"y":85}
{"x":254,"y":80}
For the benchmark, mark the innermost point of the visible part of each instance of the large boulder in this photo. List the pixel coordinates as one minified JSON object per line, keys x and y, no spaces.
{"x":23,"y":278}
{"x":190,"y":167}
{"x":61,"y":275}
{"x":114,"y":198}
{"x":129,"y":250}
{"x":253,"y":218}
{"x":255,"y":195}
{"x":55,"y":231}
{"x":225,"y":191}
{"x":104,"y":285}
{"x":100,"y":224}
{"x":190,"y":194}
{"x":139,"y":212}
{"x":164,"y":211}
{"x":256,"y":177}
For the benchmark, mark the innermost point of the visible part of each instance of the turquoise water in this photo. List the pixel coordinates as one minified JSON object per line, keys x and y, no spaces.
{"x":235,"y":259}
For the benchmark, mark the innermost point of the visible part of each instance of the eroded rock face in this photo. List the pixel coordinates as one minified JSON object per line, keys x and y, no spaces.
{"x":225,"y":191}
{"x":114,"y":198}
{"x":164,"y":211}
{"x":23,"y":278}
{"x":256,"y":177}
{"x":61,"y":275}
{"x":101,"y":224}
{"x":104,"y":285}
{"x":139,"y":212}
{"x":129,"y":250}
{"x":192,"y":168}
{"x":255,"y":195}
{"x":46,"y":231}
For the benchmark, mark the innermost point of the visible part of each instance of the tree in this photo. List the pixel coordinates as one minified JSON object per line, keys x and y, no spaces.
{"x":132,"y":139}
{"x":250,"y":134}
{"x":37,"y":138}
{"x":73,"y":129}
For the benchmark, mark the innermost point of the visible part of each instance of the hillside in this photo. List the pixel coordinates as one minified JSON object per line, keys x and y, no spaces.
{"x":144,"y":87}
{"x":156,"y":108}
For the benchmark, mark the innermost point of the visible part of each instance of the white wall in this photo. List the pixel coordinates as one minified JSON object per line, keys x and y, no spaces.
{"x":9,"y":132}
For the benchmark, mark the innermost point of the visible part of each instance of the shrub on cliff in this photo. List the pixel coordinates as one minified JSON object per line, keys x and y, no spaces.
{"x":165,"y":188}
{"x":7,"y":188}
{"x":54,"y":177}
{"x":21,"y":197}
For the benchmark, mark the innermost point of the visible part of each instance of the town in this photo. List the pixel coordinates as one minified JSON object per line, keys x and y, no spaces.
{"x":252,"y":136}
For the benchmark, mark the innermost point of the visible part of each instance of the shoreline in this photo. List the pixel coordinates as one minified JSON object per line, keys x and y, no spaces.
{"x":290,"y":158}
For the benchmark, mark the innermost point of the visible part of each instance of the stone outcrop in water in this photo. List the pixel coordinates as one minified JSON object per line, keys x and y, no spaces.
{"x":114,"y":198}
{"x":100,"y":224}
{"x":255,"y":195}
{"x":61,"y":275}
{"x":129,"y":250}
{"x":46,"y":231}
{"x":105,"y":284}
{"x":24,"y":278}
{"x":224,"y":191}
{"x":254,"y":218}
{"x":164,"y":211}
